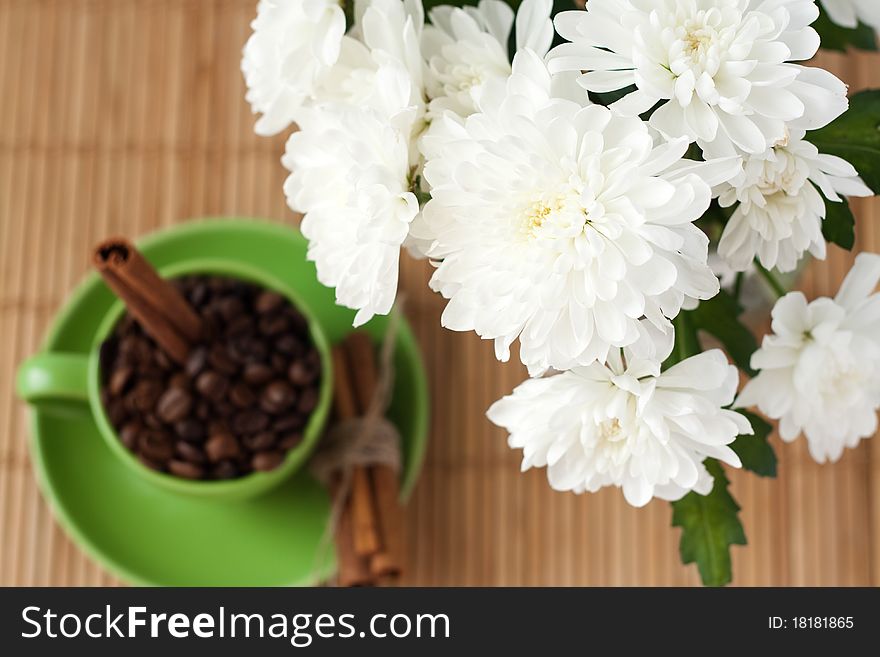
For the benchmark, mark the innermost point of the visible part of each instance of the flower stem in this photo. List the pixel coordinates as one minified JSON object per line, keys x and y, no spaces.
{"x":777,"y":287}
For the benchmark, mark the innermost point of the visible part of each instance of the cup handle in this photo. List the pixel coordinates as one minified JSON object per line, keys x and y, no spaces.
{"x":53,"y":376}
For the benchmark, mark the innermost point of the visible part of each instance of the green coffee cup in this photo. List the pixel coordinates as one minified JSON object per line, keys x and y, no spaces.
{"x":55,"y":380}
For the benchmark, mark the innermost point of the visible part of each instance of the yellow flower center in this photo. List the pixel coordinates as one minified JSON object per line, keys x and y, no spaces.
{"x":610,"y":430}
{"x":536,"y":216}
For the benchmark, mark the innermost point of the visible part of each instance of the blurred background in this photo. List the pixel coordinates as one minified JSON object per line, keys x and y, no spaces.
{"x":124,"y":116}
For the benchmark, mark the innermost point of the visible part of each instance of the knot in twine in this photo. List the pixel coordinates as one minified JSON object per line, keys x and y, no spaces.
{"x":368,"y":440}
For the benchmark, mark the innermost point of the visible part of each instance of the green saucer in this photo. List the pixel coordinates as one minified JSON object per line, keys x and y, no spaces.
{"x":147,"y":535}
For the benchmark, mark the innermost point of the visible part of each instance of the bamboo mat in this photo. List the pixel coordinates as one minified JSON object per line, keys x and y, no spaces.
{"x":119,"y":116}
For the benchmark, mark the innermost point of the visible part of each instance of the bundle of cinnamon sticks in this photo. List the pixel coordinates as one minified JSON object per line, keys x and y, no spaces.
{"x":368,"y":531}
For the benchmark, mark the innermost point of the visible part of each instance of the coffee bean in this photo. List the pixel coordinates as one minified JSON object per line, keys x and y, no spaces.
{"x":152,"y":421}
{"x":237,"y":352}
{"x":190,"y":429}
{"x":290,"y":441}
{"x":119,"y":380}
{"x":163,"y":360}
{"x":273,"y":325}
{"x":307,"y":401}
{"x":224,"y":408}
{"x":189,"y":452}
{"x":116,"y":412}
{"x":289,"y":344}
{"x":241,"y":325}
{"x":186,"y":469}
{"x":221,"y":446}
{"x":246,"y":350}
{"x":128,"y":344}
{"x":174,"y":405}
{"x":218,"y":426}
{"x":230,"y":307}
{"x":196,"y":361}
{"x":179,"y":380}
{"x":268,"y":301}
{"x":221,"y":360}
{"x":224,"y":470}
{"x":212,"y":385}
{"x":289,"y":422}
{"x":313,"y":359}
{"x":257,"y":374}
{"x":150,"y":463}
{"x":203,"y":410}
{"x":298,"y":323}
{"x":150,"y":371}
{"x":156,"y":445}
{"x":129,"y":434}
{"x":144,"y":395}
{"x":260,"y":441}
{"x":141,"y":351}
{"x":277,"y":397}
{"x":301,"y":374}
{"x":265,"y":461}
{"x":242,"y":396}
{"x":279,"y":363}
{"x":127,"y":324}
{"x":250,"y":422}
{"x":198,"y":294}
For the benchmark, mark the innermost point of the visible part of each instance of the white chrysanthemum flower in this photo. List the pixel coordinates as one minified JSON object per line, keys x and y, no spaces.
{"x":350,"y":175}
{"x":384,"y":30}
{"x":294,"y":43}
{"x":560,"y":224}
{"x":849,"y":13}
{"x":353,"y":161}
{"x":466,"y":46}
{"x":781,"y":209}
{"x":720,"y":64}
{"x":626,"y":424}
{"x":820,"y":370}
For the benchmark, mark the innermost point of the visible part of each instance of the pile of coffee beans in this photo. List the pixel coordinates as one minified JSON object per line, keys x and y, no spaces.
{"x":240,"y":402}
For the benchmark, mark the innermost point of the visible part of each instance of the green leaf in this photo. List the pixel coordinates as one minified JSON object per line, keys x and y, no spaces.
{"x":606,"y":98}
{"x":839,"y":226}
{"x":710,"y":525}
{"x":719,"y":317}
{"x":755,"y":451}
{"x":855,"y":136}
{"x":836,"y":37}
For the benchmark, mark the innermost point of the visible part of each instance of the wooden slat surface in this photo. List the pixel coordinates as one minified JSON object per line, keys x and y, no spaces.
{"x":119,"y":116}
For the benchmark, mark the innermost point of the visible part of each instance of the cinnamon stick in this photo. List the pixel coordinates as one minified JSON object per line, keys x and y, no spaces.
{"x":387,"y":561}
{"x":353,"y":567}
{"x":366,"y":531}
{"x":344,"y":403}
{"x":154,"y":302}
